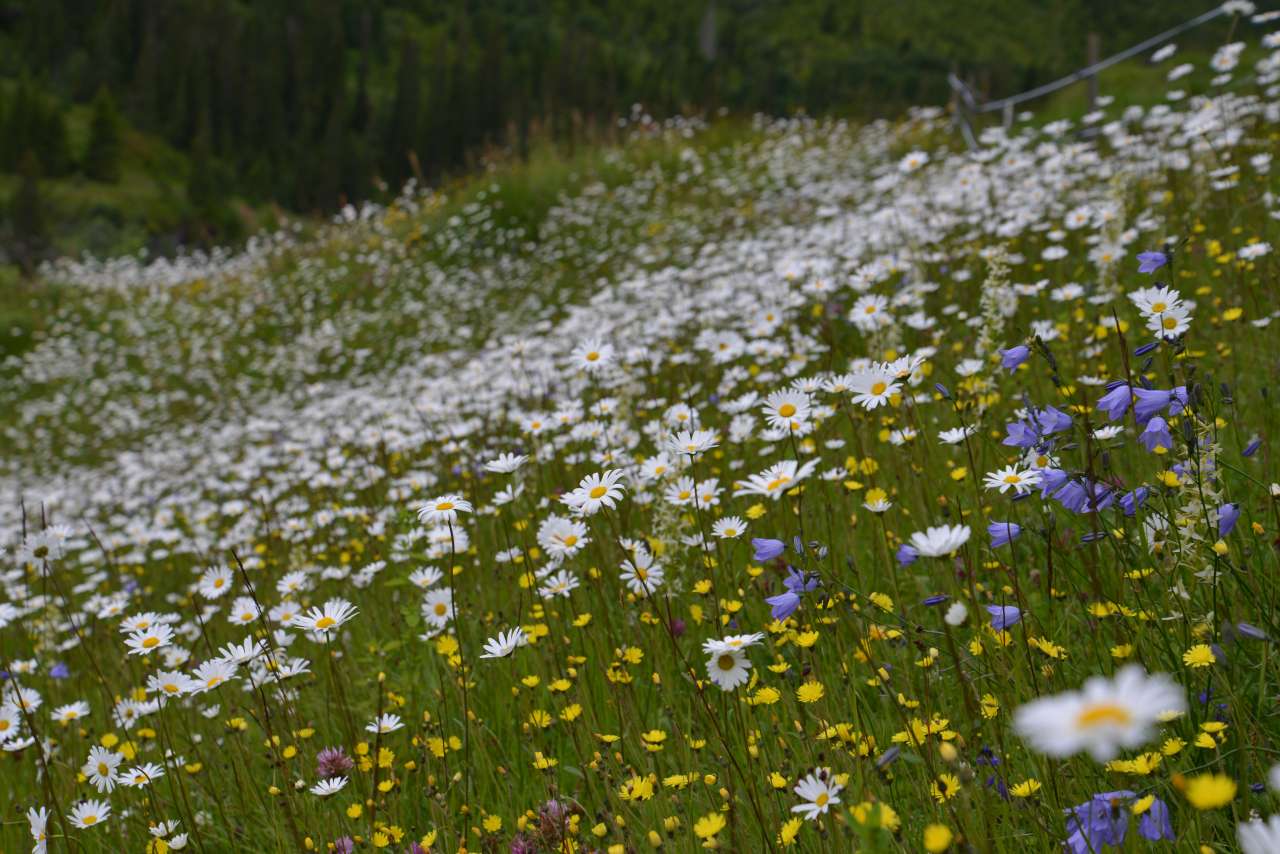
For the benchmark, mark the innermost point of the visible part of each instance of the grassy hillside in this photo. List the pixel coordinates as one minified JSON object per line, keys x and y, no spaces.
{"x":793,"y":485}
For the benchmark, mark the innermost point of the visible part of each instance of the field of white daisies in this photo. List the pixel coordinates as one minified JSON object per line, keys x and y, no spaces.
{"x":795,"y":485}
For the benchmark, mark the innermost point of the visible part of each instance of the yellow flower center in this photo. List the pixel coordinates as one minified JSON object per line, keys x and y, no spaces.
{"x":570,"y":541}
{"x":879,"y":388}
{"x":444,"y":505}
{"x":642,"y":574}
{"x":325,"y":622}
{"x":1169,"y":322}
{"x":89,"y":819}
{"x":725,"y":662}
{"x":151,"y":642}
{"x":593,"y":356}
{"x":1158,"y":307}
{"x":871,"y":309}
{"x":103,"y":769}
{"x":440,"y":609}
{"x":170,"y":688}
{"x":598,"y":492}
{"x":1102,"y":714}
{"x":822,"y":799}
{"x":1012,"y":478}
{"x":777,"y":483}
{"x":786,"y":410}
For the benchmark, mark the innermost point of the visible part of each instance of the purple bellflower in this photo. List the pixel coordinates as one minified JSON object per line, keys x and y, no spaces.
{"x":1149,"y":262}
{"x":1014,"y":356}
{"x":1003,"y":616}
{"x":1003,"y":533}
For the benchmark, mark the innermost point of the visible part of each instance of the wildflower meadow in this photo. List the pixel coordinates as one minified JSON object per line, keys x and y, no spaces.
{"x":790,"y":484}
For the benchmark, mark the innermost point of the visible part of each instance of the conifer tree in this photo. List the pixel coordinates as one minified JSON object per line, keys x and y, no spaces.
{"x":102,"y":157}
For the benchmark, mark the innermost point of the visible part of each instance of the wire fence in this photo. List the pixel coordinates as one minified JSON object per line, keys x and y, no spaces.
{"x":968,"y":107}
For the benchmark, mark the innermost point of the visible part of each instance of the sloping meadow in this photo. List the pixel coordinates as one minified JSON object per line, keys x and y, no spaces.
{"x":811,"y":486}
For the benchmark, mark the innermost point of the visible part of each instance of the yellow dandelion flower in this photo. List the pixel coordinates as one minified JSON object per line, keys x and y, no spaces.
{"x":945,"y":787}
{"x":1210,"y":791}
{"x":789,"y":831}
{"x":810,"y":692}
{"x":1200,"y":655}
{"x":1025,"y":789}
{"x":937,"y":838}
{"x":709,"y":825}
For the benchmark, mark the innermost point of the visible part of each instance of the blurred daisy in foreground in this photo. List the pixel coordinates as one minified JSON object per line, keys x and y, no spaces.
{"x":1103,"y":717}
{"x":1258,"y":836}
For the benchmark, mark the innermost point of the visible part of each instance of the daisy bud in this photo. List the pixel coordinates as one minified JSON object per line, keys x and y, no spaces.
{"x":956,"y":614}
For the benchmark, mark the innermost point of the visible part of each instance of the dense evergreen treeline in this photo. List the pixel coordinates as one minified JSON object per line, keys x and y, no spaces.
{"x":309,"y":103}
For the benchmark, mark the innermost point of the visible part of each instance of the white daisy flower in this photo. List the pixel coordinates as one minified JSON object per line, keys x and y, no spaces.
{"x":1103,"y":717}
{"x":819,"y":792}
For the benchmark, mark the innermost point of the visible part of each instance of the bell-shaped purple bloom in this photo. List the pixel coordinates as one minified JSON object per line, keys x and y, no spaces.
{"x":1149,"y":403}
{"x":1115,"y":402}
{"x":1014,"y":356}
{"x":1149,"y":262}
{"x":784,"y":604}
{"x":1100,"y":821}
{"x":1101,"y":496}
{"x":1003,"y":533}
{"x":1073,"y":496}
{"x":1051,"y":480}
{"x":1146,"y":348}
{"x":1052,"y":420}
{"x":1251,"y":448}
{"x":1130,"y":502}
{"x":797,"y":583}
{"x":1156,"y":435}
{"x":1003,"y":616}
{"x":1154,"y":824}
{"x":767,"y":549}
{"x":1227,"y":516}
{"x":1021,"y":435}
{"x":801,"y":582}
{"x":906,"y":555}
{"x":1251,"y":631}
